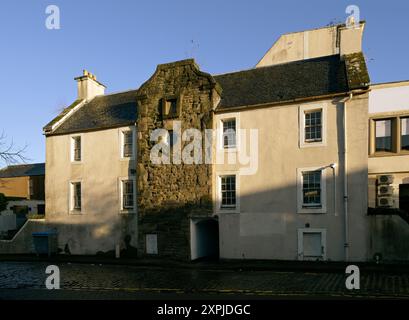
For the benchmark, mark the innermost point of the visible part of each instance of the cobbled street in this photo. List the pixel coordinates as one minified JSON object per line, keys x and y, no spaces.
{"x":26,"y":280}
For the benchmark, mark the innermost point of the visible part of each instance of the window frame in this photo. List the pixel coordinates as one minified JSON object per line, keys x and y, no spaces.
{"x":72,"y":147}
{"x":312,"y":205}
{"x":219,"y":207}
{"x":396,"y":132}
{"x":220,"y":134}
{"x":224,"y":145}
{"x":122,"y":208}
{"x":310,"y":112}
{"x":305,"y":208}
{"x":122,"y":142}
{"x":392,"y":138}
{"x":72,"y":207}
{"x":309,"y":108}
{"x":166,"y":107}
{"x":400,"y":133}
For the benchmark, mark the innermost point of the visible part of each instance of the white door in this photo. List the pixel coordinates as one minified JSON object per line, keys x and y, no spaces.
{"x":311,"y":244}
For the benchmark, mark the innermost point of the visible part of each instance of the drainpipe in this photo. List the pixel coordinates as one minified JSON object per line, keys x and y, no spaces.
{"x":333,"y":166}
{"x":345,"y":161}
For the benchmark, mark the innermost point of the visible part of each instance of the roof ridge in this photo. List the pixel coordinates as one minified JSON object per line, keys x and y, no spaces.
{"x":25,"y":164}
{"x":116,"y":92}
{"x":275,"y":65}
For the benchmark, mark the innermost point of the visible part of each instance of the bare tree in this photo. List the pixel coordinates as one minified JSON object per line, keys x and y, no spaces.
{"x":9,"y":153}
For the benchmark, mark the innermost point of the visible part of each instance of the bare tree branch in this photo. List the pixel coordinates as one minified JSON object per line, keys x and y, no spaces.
{"x":9,"y":153}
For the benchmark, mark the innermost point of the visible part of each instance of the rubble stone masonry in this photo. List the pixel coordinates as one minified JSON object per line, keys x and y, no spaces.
{"x":170,"y":194}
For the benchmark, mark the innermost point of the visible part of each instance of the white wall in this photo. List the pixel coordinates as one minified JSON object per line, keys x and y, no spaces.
{"x":101,"y":224}
{"x":389,"y":99}
{"x":266,"y":225}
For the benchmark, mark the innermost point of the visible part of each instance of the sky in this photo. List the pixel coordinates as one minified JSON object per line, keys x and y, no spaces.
{"x":121,"y":42}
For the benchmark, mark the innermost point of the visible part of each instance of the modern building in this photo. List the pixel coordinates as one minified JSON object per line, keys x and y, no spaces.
{"x":388,"y":168}
{"x":23,"y":188}
{"x":23,"y":185}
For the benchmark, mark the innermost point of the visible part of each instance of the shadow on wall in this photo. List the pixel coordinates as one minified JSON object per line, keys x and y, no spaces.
{"x":266,"y":227}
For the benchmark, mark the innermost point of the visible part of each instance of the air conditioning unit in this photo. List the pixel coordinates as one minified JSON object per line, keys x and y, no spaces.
{"x":385,"y":202}
{"x":385,"y":179}
{"x":385,"y":190}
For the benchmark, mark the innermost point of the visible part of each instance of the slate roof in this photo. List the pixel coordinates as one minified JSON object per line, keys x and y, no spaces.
{"x":23,"y":170}
{"x":102,"y":112}
{"x":288,"y":81}
{"x":271,"y":84}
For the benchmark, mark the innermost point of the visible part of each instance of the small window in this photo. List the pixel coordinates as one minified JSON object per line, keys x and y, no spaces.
{"x":170,"y":108}
{"x":76,"y":194}
{"x":404,"y":133}
{"x":313,"y":126}
{"x":229,"y":133}
{"x":311,"y":188}
{"x":76,"y":148}
{"x":228,"y":191}
{"x":127,"y":194}
{"x":383,"y":135}
{"x":127,"y":144}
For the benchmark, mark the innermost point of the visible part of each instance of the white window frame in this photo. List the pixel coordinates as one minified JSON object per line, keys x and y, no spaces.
{"x":219,"y":126}
{"x":73,"y":210}
{"x":122,"y":142}
{"x":302,"y":231}
{"x":72,"y":146}
{"x":219,"y":208}
{"x":311,"y":107}
{"x":121,"y":198}
{"x":300,"y":199}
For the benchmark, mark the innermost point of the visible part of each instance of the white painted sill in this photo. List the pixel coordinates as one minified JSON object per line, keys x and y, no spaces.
{"x":127,"y":211}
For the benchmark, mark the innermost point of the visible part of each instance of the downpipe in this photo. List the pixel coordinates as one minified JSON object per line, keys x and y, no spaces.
{"x":345,"y":161}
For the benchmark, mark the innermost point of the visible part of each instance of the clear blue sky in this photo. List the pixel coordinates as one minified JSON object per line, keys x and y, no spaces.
{"x":123,"y":41}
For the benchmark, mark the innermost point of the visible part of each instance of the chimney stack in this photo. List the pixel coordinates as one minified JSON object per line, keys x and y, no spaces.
{"x":88,"y":86}
{"x":296,"y":46}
